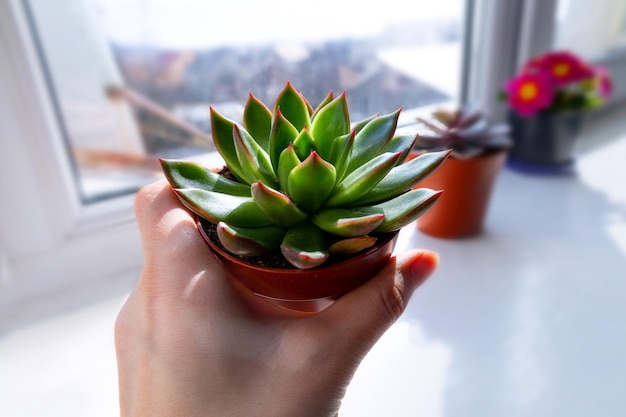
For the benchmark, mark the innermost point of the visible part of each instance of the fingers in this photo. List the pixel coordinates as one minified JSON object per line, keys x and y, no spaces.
{"x":158,"y":210}
{"x":173,"y":250}
{"x":363,"y":315}
{"x":168,"y":231}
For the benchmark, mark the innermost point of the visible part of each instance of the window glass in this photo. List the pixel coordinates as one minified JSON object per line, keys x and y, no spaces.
{"x":131,"y":80}
{"x":594,"y":29}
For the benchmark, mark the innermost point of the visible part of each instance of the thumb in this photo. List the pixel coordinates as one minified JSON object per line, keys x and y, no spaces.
{"x":364,"y":314}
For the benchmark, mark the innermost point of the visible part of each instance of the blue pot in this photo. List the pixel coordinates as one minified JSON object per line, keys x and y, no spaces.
{"x":544,"y":142}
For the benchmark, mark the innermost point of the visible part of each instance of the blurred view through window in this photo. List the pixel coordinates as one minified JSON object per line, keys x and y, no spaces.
{"x":132,"y":80}
{"x":594,"y":29}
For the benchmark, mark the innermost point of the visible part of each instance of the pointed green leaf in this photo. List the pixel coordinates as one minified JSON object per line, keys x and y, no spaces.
{"x":245,"y":241}
{"x":294,"y":107}
{"x":311,"y":182}
{"x":404,"y":209}
{"x":351,"y":245}
{"x":253,"y":159}
{"x":286,"y":163}
{"x":303,"y":144}
{"x":185,"y":174}
{"x":331,"y":121}
{"x":340,"y":153}
{"x":304,"y":246}
{"x":257,"y":119}
{"x":361,"y":180}
{"x":403,"y":177}
{"x":276,"y":205}
{"x":217,"y":207}
{"x":329,"y":97}
{"x":309,"y":107}
{"x":358,"y":126}
{"x":347,"y":222}
{"x":338,"y":145}
{"x":372,"y":139}
{"x":222,"y":131}
{"x":403,"y":144}
{"x":282,"y":134}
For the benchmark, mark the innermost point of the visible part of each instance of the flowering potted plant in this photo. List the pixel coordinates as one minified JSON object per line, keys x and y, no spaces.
{"x":478,"y":151}
{"x":547,"y":101}
{"x":308,"y":205}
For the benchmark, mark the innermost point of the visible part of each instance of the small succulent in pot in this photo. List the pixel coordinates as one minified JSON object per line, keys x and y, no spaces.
{"x":479,"y":150}
{"x":466,"y":131}
{"x":306,"y":182}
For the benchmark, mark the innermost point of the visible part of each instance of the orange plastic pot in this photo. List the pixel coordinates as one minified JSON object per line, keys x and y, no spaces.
{"x":467,"y":185}
{"x":323,"y":282}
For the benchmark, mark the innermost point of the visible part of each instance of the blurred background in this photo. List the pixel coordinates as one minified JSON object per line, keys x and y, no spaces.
{"x":93,"y":92}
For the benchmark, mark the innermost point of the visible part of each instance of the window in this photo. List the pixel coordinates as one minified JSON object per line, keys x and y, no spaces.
{"x":94,"y":91}
{"x":132,"y":80}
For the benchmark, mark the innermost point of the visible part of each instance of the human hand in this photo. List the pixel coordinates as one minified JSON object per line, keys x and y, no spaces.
{"x":193,"y":342}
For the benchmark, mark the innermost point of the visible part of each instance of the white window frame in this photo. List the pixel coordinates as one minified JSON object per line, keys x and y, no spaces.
{"x":50,"y":240}
{"x":501,"y":36}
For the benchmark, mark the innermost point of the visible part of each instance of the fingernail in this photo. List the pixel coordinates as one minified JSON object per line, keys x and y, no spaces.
{"x":424,"y":265}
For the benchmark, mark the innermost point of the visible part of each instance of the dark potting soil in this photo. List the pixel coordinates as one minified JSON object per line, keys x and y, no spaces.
{"x":269,"y":260}
{"x":273,"y":259}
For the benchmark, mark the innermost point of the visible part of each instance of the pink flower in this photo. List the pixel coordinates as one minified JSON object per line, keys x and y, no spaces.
{"x":530,"y":92}
{"x":559,"y":81}
{"x":535,"y":64}
{"x":564,"y":68}
{"x":605,"y":83}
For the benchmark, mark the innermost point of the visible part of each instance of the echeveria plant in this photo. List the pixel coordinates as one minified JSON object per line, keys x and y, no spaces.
{"x":466,"y":131}
{"x":306,"y":181}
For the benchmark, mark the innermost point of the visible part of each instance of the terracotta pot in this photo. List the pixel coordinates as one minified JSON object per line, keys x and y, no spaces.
{"x":467,"y":185}
{"x":322,"y":282}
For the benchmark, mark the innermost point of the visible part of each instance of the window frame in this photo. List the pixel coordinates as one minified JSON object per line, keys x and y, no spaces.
{"x":49,"y":239}
{"x":502,"y":36}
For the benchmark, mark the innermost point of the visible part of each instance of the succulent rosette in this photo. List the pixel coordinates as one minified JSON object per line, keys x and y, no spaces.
{"x":557,"y":81}
{"x":466,"y":131}
{"x":307,"y":182}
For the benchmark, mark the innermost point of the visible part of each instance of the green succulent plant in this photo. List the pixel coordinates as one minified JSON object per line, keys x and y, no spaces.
{"x":306,"y":181}
{"x":465,"y":130}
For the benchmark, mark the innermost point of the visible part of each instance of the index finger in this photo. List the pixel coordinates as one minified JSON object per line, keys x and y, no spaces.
{"x":168,"y":231}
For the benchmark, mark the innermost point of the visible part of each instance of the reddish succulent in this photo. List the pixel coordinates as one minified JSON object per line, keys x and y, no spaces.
{"x":466,"y":131}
